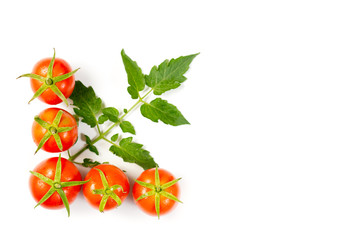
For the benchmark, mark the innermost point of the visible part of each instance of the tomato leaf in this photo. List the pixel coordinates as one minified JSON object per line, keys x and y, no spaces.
{"x":169,"y":74}
{"x":91,"y":147}
{"x":133,"y":152}
{"x":87,"y":162}
{"x":160,"y":109}
{"x":126,"y":126}
{"x":114,"y":137}
{"x":136,"y":78}
{"x":102,"y":119}
{"x":87,"y":105}
{"x":111,"y":113}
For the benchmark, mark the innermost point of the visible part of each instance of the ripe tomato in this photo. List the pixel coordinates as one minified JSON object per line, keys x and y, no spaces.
{"x":52,"y":80}
{"x":58,"y":176}
{"x":107,"y":188}
{"x":156,"y":191}
{"x":54,"y":130}
{"x":66,"y":86}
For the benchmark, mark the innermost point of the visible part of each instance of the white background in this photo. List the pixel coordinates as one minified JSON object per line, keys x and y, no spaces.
{"x":273,"y":99}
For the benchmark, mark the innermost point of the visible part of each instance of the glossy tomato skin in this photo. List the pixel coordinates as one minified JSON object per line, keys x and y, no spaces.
{"x":114,"y":175}
{"x":69,"y":172}
{"x":68,"y":138}
{"x":148,"y":204}
{"x":66,"y":86}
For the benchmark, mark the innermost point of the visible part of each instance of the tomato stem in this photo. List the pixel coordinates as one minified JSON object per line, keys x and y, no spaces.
{"x":53,"y":130}
{"x":102,"y":135}
{"x":71,"y":158}
{"x":49,"y":81}
{"x":158,"y":189}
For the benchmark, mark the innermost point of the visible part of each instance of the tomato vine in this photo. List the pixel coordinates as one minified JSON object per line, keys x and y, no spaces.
{"x":89,"y":108}
{"x":53,"y":123}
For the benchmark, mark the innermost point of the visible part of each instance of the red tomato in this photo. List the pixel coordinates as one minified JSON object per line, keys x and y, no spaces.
{"x":47,"y":168}
{"x":66,"y":130}
{"x":99,"y":190}
{"x":65,"y":86}
{"x":146,"y":189}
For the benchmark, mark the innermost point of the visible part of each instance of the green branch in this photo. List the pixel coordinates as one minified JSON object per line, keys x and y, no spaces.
{"x":102,"y":135}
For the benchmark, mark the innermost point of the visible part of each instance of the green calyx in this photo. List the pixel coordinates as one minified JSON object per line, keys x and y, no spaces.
{"x":57,"y":185}
{"x":49,"y":82}
{"x":53,"y":129}
{"x":107,"y":192}
{"x":158,"y":190}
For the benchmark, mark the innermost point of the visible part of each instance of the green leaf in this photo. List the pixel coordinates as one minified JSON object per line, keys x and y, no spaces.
{"x":136,"y":78}
{"x":112,"y":114}
{"x":91,"y":147}
{"x":133,"y":92}
{"x":87,"y":162}
{"x":126,"y":126}
{"x":87,"y":139}
{"x":87,"y":105}
{"x":160,"y":109}
{"x":133,"y":152}
{"x":169,"y":74}
{"x":102,"y":119}
{"x":114,"y":137}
